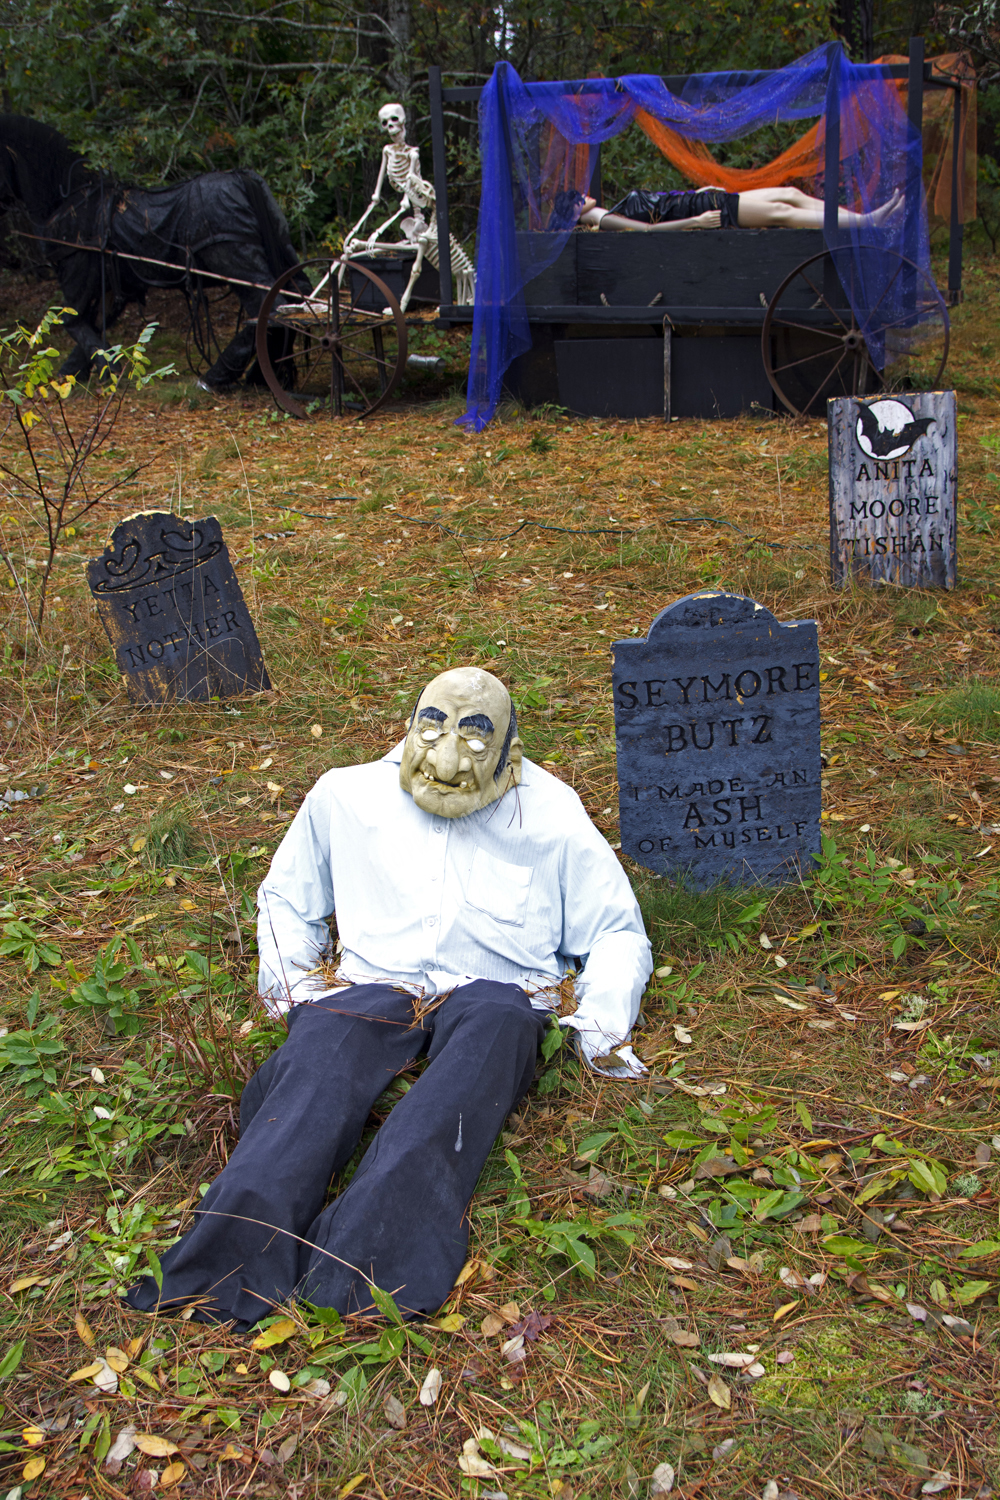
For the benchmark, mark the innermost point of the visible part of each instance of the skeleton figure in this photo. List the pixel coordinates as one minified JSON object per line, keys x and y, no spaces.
{"x":401,"y":164}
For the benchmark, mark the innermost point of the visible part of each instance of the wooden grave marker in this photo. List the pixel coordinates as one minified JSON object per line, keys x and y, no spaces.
{"x":170,"y":602}
{"x":893,"y":489}
{"x":717,"y":732}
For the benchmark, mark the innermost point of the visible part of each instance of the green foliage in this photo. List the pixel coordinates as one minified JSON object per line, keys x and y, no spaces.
{"x":20,"y":940}
{"x":570,"y":1237}
{"x":105,"y":992}
{"x":839,"y":886}
{"x":972,"y":710}
{"x":33,"y":1050}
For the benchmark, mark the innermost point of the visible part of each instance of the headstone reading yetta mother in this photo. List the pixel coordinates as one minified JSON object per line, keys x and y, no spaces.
{"x":169,"y":600}
{"x":717,"y":726}
{"x":893,"y":486}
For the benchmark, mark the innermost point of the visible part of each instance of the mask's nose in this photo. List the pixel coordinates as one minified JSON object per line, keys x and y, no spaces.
{"x":447,"y":759}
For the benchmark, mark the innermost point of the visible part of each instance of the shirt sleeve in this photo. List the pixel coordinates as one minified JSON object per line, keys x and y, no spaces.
{"x":602,"y":922}
{"x":294,"y":902}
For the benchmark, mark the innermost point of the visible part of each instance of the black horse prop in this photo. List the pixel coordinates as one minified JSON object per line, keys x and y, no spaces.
{"x":222,"y":222}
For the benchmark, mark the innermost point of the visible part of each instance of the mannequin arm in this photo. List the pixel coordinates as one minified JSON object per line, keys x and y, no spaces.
{"x":711,"y":219}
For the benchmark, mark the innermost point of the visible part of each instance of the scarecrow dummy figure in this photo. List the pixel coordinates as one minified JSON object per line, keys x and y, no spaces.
{"x":466,"y":883}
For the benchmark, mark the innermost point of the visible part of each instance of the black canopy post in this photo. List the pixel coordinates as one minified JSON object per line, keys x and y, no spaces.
{"x":914,"y":176}
{"x":956,"y":227}
{"x":440,"y":183}
{"x":831,"y":155}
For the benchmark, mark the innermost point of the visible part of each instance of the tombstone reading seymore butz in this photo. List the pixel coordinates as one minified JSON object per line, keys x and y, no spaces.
{"x":717,"y":726}
{"x":893,"y":486}
{"x":169,"y":600}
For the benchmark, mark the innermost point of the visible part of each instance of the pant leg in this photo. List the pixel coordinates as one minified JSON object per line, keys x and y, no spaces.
{"x":301,"y":1118}
{"x":402,"y":1220}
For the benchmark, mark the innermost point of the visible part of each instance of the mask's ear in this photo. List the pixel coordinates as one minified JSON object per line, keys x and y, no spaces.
{"x":515,"y":752}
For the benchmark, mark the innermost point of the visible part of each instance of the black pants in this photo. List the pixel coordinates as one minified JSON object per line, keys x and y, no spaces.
{"x":402,"y":1220}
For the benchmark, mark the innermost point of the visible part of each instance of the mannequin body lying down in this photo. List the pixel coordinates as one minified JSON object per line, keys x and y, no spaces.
{"x":714,"y":208}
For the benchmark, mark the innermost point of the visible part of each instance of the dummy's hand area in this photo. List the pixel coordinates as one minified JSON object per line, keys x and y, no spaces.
{"x":605,"y":1056}
{"x":710,"y":219}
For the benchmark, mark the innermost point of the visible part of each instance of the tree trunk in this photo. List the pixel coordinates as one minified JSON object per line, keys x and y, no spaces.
{"x":399,"y":69}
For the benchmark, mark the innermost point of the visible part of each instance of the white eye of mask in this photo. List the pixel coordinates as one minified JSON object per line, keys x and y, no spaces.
{"x":475,"y":744}
{"x":431,"y":734}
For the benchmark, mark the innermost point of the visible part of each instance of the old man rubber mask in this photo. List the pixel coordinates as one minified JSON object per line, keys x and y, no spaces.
{"x":462,"y":750}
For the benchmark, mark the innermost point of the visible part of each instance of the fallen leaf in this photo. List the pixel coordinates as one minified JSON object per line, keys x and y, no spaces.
{"x":733,"y":1361}
{"x":685,"y":1282}
{"x":84,"y":1331}
{"x":468,"y":1270}
{"x":475,"y":1466}
{"x":811,"y":1224}
{"x":278,"y":1333}
{"x":23,"y":1282}
{"x":532,"y":1325}
{"x":770,"y":1491}
{"x":785,"y":1357}
{"x":788,"y":1277}
{"x":676,"y":1262}
{"x":916,"y":1311}
{"x":450,"y":1323}
{"x":33,"y":1436}
{"x":230,"y":1451}
{"x":106,"y":1379}
{"x":147,"y":1378}
{"x":513,"y":1450}
{"x":983,"y":1154}
{"x":718,"y":1392}
{"x":279,"y":1380}
{"x":88,"y":1371}
{"x":723,"y":1449}
{"x":737,"y":1263}
{"x":716,"y":1166}
{"x":783,"y":1311}
{"x":172,"y":1474}
{"x":33,"y":1468}
{"x":510,"y":1312}
{"x":717,"y":1251}
{"x":790,"y":1004}
{"x":153,"y":1446}
{"x":123,"y":1445}
{"x":315,"y":1387}
{"x":316,"y":731}
{"x":117,"y":1359}
{"x":765,"y":942}
{"x":395,"y":1412}
{"x":287,"y":1449}
{"x":912,"y":1025}
{"x":684,"y":1339}
{"x":431,"y":1388}
{"x":683,"y":1035}
{"x":937,"y":1482}
{"x":491,"y":1324}
{"x":351,"y":1486}
{"x":663,"y":1480}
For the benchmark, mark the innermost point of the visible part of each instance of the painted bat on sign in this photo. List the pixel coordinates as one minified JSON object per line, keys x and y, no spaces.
{"x":886,"y":443}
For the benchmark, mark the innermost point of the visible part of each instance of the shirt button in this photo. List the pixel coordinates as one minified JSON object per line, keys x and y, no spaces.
{"x":432,"y":921}
{"x":439,"y":828}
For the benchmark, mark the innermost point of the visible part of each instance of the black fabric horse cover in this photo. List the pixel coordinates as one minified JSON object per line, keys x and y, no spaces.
{"x":224,"y":222}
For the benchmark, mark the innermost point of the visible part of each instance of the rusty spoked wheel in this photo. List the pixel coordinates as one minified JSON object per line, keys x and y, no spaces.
{"x":331,"y":337}
{"x":812,"y":342}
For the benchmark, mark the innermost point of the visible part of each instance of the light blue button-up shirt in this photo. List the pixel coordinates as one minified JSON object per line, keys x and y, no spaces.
{"x":514,"y":892}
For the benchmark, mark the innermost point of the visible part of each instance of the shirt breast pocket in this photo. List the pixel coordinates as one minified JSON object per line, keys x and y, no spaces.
{"x":499,"y":889}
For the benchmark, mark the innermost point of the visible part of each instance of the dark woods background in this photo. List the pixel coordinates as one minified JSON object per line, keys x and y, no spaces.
{"x":161,"y":89}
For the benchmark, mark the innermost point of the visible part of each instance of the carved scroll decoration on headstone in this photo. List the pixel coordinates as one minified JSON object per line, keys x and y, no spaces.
{"x":893,"y":485}
{"x":170,"y":602}
{"x":717,"y":725}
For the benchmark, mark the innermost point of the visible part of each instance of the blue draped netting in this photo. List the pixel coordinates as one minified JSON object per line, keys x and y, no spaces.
{"x":538,"y":150}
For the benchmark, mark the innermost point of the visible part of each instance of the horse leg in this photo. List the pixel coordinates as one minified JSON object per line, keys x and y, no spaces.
{"x":80,"y":360}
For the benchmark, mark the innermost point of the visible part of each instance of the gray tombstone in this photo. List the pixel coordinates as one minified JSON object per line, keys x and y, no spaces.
{"x":173,"y":610}
{"x":717,"y":726}
{"x":893,"y":488}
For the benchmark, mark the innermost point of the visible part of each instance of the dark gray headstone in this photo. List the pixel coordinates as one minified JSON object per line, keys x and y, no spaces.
{"x":173,"y":610}
{"x":717,"y":725}
{"x":893,"y":486}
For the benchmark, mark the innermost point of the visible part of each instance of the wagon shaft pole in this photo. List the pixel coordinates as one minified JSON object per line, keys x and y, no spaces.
{"x":147,"y":260}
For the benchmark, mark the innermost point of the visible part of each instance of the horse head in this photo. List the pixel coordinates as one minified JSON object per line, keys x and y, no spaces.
{"x":38,"y":166}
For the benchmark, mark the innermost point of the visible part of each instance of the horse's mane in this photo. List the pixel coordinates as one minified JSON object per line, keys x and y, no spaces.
{"x":52,"y":158}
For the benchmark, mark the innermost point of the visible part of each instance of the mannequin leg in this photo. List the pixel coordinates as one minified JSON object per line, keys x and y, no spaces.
{"x":788,"y":208}
{"x":403,"y":1218}
{"x":301,"y":1116}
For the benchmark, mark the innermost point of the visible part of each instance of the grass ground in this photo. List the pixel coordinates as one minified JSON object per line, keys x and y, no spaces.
{"x":808,"y":1177}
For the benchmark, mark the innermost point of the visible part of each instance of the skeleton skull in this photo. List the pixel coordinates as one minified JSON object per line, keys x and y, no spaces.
{"x":392,"y":118}
{"x":462,"y":750}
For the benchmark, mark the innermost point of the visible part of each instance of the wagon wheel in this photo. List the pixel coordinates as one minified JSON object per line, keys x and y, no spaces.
{"x":342,"y":347}
{"x":814,"y":348}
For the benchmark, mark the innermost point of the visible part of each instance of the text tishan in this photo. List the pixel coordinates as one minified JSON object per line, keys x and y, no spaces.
{"x":893,"y":481}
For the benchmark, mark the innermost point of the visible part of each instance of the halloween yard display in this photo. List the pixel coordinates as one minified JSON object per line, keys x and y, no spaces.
{"x":467,"y":882}
{"x":109,"y":242}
